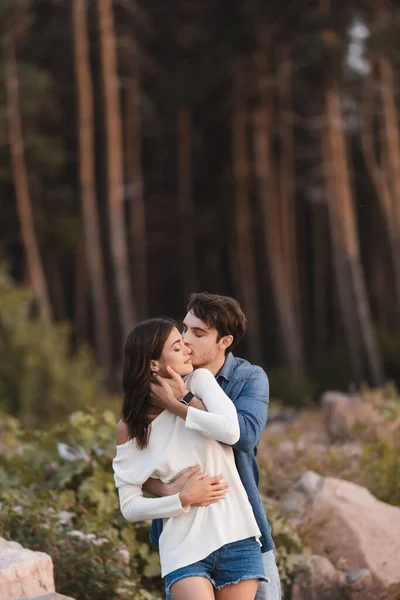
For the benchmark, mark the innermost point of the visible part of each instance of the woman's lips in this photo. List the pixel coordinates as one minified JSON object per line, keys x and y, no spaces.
{"x":189,"y":360}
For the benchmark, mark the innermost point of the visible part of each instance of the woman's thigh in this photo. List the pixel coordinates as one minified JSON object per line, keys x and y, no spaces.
{"x":195,"y":588}
{"x":244,"y":590}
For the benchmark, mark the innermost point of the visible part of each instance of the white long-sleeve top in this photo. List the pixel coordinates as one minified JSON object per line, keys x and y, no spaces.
{"x":193,"y":533}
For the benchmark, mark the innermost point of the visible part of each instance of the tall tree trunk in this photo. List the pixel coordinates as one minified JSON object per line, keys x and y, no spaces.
{"x":275,"y":228}
{"x":137,"y":212}
{"x":186,"y":204}
{"x":378,"y":170}
{"x":115,"y":181}
{"x":341,"y":266}
{"x":321,"y":273}
{"x":56,"y":285}
{"x":287,"y":204}
{"x":91,"y":222}
{"x":343,"y":220}
{"x":344,"y":226}
{"x":81,"y":289}
{"x":245,"y":258}
{"x":20,"y":175}
{"x":392,"y":146}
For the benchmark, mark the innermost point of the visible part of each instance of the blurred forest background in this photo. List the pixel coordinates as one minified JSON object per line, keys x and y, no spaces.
{"x":149,"y":150}
{"x":153,"y":149}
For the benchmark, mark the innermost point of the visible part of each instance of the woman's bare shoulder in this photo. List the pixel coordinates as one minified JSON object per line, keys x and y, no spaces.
{"x":122,"y":433}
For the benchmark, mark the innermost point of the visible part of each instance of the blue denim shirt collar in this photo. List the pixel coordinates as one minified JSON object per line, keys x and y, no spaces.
{"x":227,"y":368}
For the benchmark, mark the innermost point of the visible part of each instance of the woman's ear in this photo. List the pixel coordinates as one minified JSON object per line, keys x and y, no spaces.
{"x":154,"y":366}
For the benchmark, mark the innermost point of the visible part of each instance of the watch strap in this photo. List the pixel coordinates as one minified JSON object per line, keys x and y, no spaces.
{"x":187,"y":398}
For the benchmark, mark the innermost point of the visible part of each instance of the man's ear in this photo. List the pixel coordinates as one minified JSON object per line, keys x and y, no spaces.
{"x":226,"y":341}
{"x":154,"y":366}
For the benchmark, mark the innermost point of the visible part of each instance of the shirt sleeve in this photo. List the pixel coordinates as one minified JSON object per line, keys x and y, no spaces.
{"x":221,"y":421}
{"x":134,"y":506}
{"x":252,"y":410}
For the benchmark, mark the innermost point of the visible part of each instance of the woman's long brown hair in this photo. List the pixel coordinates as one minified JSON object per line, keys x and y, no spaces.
{"x":144,"y":343}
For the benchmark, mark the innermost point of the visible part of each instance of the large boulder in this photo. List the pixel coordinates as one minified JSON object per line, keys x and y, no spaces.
{"x":347,"y":417}
{"x":24,"y":573}
{"x":346,"y":523}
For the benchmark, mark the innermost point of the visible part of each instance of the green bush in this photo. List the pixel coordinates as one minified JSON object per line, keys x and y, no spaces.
{"x":288,"y":546}
{"x":40,"y":380}
{"x":380,"y":468}
{"x":45,"y":497}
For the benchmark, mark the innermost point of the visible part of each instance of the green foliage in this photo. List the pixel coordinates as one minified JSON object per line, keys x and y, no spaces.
{"x":39,"y":379}
{"x":288,"y":545}
{"x":69,"y":509}
{"x":380,"y":467}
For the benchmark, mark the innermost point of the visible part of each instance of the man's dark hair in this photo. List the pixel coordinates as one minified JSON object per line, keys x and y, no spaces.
{"x":221,"y":313}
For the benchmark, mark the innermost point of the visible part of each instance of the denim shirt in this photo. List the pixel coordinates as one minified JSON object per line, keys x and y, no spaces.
{"x":248,"y":387}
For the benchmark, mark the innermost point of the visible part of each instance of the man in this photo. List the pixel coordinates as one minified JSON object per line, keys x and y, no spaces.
{"x":213,"y":327}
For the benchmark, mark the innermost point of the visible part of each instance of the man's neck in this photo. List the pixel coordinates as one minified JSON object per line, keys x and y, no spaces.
{"x":216,"y":365}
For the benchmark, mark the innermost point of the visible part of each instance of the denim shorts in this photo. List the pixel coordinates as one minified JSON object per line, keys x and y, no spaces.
{"x":230,"y":564}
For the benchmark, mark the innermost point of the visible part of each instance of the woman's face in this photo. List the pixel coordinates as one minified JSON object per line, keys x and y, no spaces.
{"x":176,"y":355}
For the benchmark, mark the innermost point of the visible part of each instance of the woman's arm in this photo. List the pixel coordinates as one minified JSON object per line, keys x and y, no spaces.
{"x":135,"y":507}
{"x":220,"y":422}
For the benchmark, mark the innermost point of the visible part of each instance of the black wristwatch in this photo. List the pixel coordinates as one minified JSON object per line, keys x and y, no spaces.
{"x":187,"y":398}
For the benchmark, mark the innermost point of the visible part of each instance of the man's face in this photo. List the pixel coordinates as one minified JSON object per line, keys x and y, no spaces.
{"x":202,"y":341}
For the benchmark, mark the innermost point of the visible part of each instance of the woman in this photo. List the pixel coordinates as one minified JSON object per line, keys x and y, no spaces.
{"x":208,"y":551}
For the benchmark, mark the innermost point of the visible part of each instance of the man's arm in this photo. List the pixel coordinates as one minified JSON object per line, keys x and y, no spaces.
{"x":157,"y":488}
{"x":252,"y":410}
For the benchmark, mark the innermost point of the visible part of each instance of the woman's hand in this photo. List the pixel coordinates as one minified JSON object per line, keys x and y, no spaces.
{"x":176,"y":384}
{"x":161,"y":394}
{"x":203,"y":490}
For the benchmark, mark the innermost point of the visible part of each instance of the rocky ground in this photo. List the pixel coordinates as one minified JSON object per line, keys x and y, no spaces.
{"x":330,"y":480}
{"x":317,"y":466}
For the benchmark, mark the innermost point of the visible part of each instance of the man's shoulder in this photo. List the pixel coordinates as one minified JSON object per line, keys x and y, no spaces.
{"x":243,"y":369}
{"x":246,"y":380}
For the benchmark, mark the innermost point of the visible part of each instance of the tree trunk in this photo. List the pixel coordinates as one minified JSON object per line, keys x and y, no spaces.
{"x":186,"y":204}
{"x":81,"y":289}
{"x":320,"y":275}
{"x":350,"y":276}
{"x":273,"y":222}
{"x":115,"y":188}
{"x":344,"y":231}
{"x":341,"y":267}
{"x":37,"y":276}
{"x":91,"y":222}
{"x":392,"y":145}
{"x":56,"y":285}
{"x":137,"y":212}
{"x":380,"y":178}
{"x":243,"y":224}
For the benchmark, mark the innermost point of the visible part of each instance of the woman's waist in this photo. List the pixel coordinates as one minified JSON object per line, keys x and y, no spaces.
{"x":207,"y":463}
{"x":232,"y":511}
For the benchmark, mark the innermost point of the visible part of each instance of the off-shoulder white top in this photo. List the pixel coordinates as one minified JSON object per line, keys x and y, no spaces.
{"x":175,"y":444}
